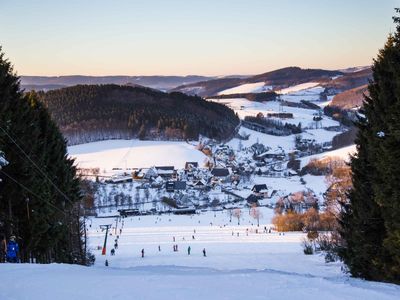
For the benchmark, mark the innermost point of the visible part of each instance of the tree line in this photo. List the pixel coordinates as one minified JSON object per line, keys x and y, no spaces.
{"x":95,"y":112}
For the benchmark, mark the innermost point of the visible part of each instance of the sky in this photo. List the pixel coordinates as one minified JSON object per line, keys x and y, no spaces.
{"x":183,"y":37}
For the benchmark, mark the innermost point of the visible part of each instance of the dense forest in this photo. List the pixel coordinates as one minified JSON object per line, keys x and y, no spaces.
{"x":258,"y":97}
{"x":88,"y":113}
{"x":271,"y":126}
{"x":40,"y":194}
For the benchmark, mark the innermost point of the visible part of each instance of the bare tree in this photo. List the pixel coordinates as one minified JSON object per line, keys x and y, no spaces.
{"x":237,"y":213}
{"x":339,"y":183}
{"x":230,"y":215}
{"x":256,"y":214}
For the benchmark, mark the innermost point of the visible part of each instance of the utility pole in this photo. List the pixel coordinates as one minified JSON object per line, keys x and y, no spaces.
{"x":116,"y":224}
{"x":105,"y":227}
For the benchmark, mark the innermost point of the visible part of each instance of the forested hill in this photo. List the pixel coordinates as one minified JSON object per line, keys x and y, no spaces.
{"x":88,"y":113}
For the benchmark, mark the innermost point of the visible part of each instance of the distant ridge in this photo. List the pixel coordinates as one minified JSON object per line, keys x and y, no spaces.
{"x":156,"y":82}
{"x":282,"y":77}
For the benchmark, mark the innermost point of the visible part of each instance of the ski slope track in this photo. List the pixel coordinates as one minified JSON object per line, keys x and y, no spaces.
{"x":240,"y":264}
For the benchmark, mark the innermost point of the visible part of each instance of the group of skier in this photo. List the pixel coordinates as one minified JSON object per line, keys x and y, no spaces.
{"x":9,"y":251}
{"x":142,"y":252}
{"x":175,"y":248}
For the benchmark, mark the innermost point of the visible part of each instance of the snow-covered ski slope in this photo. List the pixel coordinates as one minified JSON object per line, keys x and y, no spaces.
{"x":257,"y":87}
{"x":254,"y":266}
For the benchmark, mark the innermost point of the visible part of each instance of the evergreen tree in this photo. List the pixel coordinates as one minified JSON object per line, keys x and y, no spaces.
{"x":40,"y":191}
{"x":371,"y":221}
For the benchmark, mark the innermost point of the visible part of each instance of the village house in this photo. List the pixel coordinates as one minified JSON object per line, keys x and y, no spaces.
{"x":220,"y":172}
{"x":252,"y":200}
{"x":189,"y":166}
{"x":172,"y":186}
{"x":298,"y":202}
{"x":199,"y":184}
{"x":260,"y":190}
{"x":166,"y":171}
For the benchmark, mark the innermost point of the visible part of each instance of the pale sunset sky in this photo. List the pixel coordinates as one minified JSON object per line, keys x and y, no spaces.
{"x":182,"y":37}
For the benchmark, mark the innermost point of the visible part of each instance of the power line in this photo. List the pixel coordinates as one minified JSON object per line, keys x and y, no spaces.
{"x":30,"y":191}
{"x":36,"y":166}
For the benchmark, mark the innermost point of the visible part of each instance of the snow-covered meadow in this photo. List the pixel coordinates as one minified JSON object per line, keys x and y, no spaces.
{"x":134,"y":154}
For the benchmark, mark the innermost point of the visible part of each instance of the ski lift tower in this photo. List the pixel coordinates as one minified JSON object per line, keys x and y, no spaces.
{"x":105,"y":227}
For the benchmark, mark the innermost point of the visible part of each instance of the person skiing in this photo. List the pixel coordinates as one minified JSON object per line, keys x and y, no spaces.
{"x":204,"y":252}
{"x":142,"y":252}
{"x":189,"y":250}
{"x":159,"y":248}
{"x":113,"y":252}
{"x":3,"y":249}
{"x":12,"y":250}
{"x":106,"y":263}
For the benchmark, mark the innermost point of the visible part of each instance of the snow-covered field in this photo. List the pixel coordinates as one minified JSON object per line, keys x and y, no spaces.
{"x":254,"y":266}
{"x":297,"y":88}
{"x":257,"y":87}
{"x":343,"y":153}
{"x":244,"y":107}
{"x":134,"y":154}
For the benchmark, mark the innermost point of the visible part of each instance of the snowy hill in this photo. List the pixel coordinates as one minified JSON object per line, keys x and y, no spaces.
{"x":277,"y":78}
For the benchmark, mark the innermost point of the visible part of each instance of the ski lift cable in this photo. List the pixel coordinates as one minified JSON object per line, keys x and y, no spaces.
{"x":36,"y":166}
{"x":30,"y":191}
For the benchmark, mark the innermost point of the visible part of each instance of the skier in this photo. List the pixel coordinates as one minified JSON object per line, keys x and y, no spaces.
{"x":12,"y":250}
{"x":116,"y":245}
{"x":192,"y":237}
{"x":173,"y":238}
{"x":3,"y":249}
{"x":189,"y":250}
{"x":106,"y":263}
{"x":159,"y":248}
{"x":142,"y":252}
{"x":204,"y":252}
{"x":113,"y":252}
